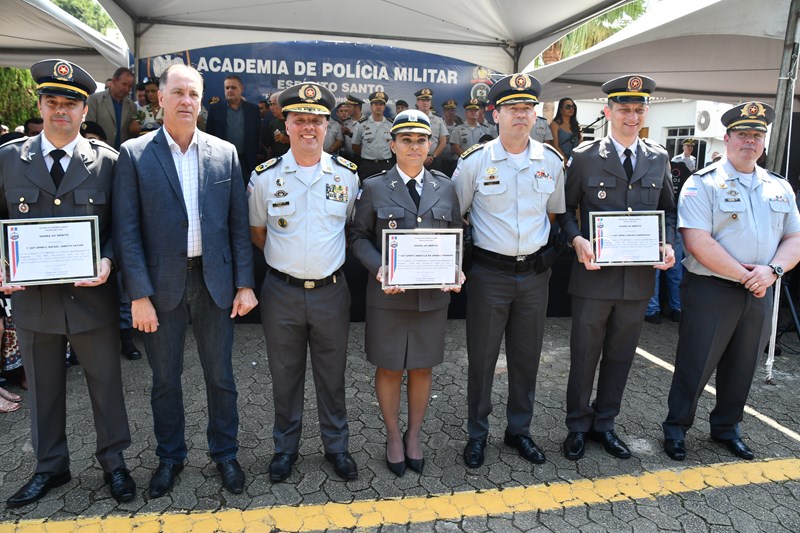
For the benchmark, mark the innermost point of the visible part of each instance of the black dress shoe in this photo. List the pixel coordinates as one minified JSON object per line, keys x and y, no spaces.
{"x":574,"y":445}
{"x":398,"y":469}
{"x":414,"y":464}
{"x":526,"y":448}
{"x":129,"y":348}
{"x":612,"y":444}
{"x":343,"y":464}
{"x":37,"y":487}
{"x":280,"y":467}
{"x":473,"y":452}
{"x":653,"y":319}
{"x":121,"y":484}
{"x":675,"y":448}
{"x":163,"y":479}
{"x":232,"y":476}
{"x":737,"y":448}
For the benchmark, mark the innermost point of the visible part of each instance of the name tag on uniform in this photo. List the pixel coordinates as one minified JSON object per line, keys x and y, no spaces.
{"x":337,"y":193}
{"x":280,"y":204}
{"x":497,"y":182}
{"x":733,"y":199}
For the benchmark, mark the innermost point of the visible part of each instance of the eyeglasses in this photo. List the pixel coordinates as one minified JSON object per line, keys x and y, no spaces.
{"x":568,"y":106}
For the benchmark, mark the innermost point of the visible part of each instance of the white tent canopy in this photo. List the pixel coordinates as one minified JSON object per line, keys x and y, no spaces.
{"x":722,"y":50}
{"x":502,"y":35}
{"x":31,"y":30}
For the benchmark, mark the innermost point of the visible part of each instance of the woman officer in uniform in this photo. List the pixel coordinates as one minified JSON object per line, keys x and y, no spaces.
{"x":405,"y":330}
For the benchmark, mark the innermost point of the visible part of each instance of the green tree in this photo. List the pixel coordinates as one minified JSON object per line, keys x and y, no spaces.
{"x":17,"y":97}
{"x":593,"y":32}
{"x":17,"y":88}
{"x":89,"y":12}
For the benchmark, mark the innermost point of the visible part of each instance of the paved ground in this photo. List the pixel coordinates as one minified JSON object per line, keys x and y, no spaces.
{"x":710,"y":491}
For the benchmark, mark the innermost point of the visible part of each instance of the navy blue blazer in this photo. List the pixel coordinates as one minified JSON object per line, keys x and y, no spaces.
{"x":217,"y":125}
{"x":151,"y":222}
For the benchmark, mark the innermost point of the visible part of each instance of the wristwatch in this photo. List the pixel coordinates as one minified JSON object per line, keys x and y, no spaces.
{"x":777,"y":270}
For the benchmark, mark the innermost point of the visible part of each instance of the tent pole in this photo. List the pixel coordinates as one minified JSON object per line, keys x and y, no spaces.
{"x":784,"y":97}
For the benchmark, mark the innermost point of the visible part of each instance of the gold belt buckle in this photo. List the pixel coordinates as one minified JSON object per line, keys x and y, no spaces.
{"x":309,"y":284}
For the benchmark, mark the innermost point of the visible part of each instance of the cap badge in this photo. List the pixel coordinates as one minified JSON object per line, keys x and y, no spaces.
{"x":425,"y":92}
{"x":635,"y":84}
{"x":309,"y":93}
{"x":521,"y":81}
{"x":753,"y":110}
{"x":62,"y":70}
{"x":380,"y":95}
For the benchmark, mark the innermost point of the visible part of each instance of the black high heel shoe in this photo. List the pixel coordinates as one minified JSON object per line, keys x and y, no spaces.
{"x":398,"y":469}
{"x":414,"y":464}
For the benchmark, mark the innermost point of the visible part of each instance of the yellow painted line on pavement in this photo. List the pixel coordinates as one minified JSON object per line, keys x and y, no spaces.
{"x":373,"y":513}
{"x":708,"y":388}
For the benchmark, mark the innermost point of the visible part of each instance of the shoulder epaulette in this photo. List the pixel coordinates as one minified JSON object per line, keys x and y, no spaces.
{"x":548,"y":147}
{"x":774,"y":174}
{"x":364,"y":118}
{"x":267,"y":164}
{"x":381,"y":173}
{"x":439,"y":174}
{"x":102,"y":144}
{"x":585,"y":145}
{"x":652,"y":143}
{"x":15,"y":141}
{"x":707,"y":169}
{"x":345,"y":163}
{"x":474,"y":148}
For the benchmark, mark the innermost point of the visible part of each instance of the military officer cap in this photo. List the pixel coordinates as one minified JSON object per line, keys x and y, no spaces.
{"x":472,"y":103}
{"x":411,"y":121}
{"x":689,"y":142}
{"x":515,"y":89}
{"x":424,"y":94}
{"x":630,"y":89}
{"x":307,"y":98}
{"x":449,"y":104}
{"x":59,"y":77}
{"x":378,"y":96}
{"x":352,"y":100}
{"x":93,"y":128}
{"x":749,"y":116}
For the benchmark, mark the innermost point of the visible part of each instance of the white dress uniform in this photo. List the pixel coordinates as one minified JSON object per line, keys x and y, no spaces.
{"x":305,"y":300}
{"x":333,"y":134}
{"x":509,"y":200}
{"x":725,"y":327}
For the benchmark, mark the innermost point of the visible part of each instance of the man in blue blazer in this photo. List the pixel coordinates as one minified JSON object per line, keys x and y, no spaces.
{"x":238,"y":122}
{"x":185,"y":255}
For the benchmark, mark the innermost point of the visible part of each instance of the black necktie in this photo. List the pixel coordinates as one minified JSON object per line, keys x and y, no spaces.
{"x":412,"y":190}
{"x":628,"y":164}
{"x":57,"y":171}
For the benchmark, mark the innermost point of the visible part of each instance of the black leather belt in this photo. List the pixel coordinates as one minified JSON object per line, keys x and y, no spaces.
{"x":376,"y":160}
{"x":194,"y":262}
{"x":304,"y":283}
{"x":507,"y":263}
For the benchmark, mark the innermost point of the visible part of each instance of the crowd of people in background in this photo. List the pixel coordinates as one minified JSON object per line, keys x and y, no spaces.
{"x":197,"y":187}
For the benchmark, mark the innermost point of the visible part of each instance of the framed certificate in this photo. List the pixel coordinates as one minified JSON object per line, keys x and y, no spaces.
{"x":43,"y":251}
{"x":422,"y":258}
{"x":627,"y":238}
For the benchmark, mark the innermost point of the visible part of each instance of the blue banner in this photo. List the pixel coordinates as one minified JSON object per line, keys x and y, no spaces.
{"x":345,"y":68}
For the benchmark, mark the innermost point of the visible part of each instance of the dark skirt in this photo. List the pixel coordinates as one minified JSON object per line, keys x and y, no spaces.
{"x":400,"y":339}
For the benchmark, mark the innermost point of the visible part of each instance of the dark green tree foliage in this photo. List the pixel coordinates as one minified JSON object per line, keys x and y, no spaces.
{"x":18,"y":90}
{"x":17,"y":97}
{"x":89,"y":12}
